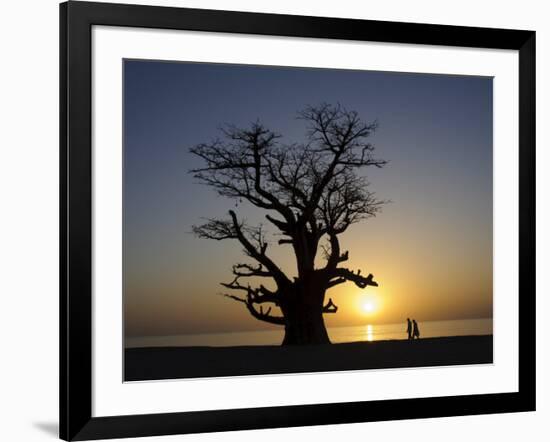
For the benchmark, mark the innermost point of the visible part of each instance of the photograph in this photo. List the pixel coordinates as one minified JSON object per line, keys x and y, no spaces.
{"x":293,"y":219}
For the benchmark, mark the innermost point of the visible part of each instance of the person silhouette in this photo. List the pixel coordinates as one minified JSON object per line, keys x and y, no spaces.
{"x":416,"y":331}
{"x":409,"y":329}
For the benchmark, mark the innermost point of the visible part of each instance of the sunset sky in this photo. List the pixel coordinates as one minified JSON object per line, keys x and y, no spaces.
{"x":430,"y":249}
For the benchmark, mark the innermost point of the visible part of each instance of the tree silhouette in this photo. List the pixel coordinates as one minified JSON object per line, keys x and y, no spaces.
{"x":312,"y":193}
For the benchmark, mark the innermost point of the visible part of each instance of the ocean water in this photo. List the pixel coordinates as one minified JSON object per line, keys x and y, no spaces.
{"x":367,"y":332}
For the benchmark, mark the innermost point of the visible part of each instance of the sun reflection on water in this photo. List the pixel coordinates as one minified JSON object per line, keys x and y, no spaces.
{"x":370,"y":333}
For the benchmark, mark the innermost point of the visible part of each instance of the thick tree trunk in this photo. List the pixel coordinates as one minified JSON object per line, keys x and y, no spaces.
{"x":307,"y":331}
{"x":304,"y":320}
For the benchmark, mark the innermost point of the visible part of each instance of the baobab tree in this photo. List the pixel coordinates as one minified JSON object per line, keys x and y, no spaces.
{"x":311,"y":193}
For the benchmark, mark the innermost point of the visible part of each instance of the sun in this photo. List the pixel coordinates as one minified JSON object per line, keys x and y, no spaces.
{"x":369,"y":304}
{"x":369,"y":307}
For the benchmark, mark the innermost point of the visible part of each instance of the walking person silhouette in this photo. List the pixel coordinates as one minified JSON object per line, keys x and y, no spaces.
{"x":416,"y":331}
{"x":409,"y":329}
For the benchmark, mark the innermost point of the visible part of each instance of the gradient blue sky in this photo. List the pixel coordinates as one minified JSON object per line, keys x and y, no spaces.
{"x":430,"y":249}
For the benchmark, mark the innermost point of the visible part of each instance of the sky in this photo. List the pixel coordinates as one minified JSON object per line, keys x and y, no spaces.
{"x":430,"y":249}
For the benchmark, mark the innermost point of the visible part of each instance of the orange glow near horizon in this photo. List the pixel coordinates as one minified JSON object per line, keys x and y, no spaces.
{"x":413,"y":282}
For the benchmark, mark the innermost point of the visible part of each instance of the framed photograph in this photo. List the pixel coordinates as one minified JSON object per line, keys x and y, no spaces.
{"x":272,"y":220}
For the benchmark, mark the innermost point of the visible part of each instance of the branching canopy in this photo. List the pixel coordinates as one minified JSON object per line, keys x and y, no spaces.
{"x":309,"y":191}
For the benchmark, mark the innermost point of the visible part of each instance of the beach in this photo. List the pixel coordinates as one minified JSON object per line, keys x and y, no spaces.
{"x":150,"y":363}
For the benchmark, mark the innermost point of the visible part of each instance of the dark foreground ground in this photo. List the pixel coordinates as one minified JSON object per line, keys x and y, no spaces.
{"x":190,"y":362}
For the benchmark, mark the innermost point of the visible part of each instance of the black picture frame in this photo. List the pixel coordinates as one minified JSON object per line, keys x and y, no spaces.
{"x":76,"y":21}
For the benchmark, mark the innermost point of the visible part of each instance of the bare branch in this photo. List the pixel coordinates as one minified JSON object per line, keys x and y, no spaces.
{"x":336,"y":282}
{"x":258,"y":255}
{"x":330,"y":307}
{"x":247,"y":270}
{"x":285,"y":241}
{"x":260,"y":315}
{"x":359,"y":280}
{"x":216,"y":229}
